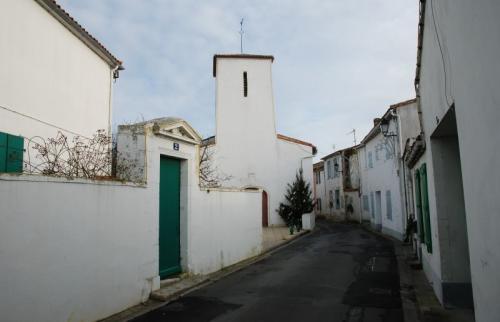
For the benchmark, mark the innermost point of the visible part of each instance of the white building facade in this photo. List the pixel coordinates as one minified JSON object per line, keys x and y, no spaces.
{"x":319,"y":191}
{"x":341,"y":185}
{"x":456,"y":82}
{"x":54,"y":76}
{"x":247,"y":149}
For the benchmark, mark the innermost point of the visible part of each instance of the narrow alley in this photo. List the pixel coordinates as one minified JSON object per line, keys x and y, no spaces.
{"x":340,"y":272}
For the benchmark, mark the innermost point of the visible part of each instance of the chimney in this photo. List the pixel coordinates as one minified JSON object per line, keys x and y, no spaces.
{"x":376,"y":121}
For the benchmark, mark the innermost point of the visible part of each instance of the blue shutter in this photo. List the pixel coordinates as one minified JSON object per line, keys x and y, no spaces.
{"x":388,"y":203}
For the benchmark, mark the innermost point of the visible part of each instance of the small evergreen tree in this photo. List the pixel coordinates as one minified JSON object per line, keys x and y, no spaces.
{"x":297,"y":202}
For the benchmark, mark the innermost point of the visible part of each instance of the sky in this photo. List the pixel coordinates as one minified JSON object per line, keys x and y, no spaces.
{"x":338,"y":64}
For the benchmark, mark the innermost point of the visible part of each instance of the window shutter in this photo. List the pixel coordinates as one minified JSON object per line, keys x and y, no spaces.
{"x":425,"y":207}
{"x":3,"y":152}
{"x":15,"y":149}
{"x":388,"y":204}
{"x":418,"y":204}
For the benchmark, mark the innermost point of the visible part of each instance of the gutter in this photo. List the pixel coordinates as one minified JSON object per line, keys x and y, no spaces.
{"x":421,"y":23}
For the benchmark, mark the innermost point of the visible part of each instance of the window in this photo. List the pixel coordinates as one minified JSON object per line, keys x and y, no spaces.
{"x":372,"y":202}
{"x":388,"y":153}
{"x":366,"y":206}
{"x":11,"y":153}
{"x":370,"y":160}
{"x":337,"y":198}
{"x":330,"y":194}
{"x":245,"y":84}
{"x":388,"y":204}
{"x":318,"y":177}
{"x":376,"y":153}
{"x":422,"y":203}
{"x":329,"y":169}
{"x":336,"y":169}
{"x":318,"y":204}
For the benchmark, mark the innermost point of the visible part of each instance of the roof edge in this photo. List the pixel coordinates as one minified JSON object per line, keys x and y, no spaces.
{"x":404,"y":103}
{"x":238,"y":56}
{"x":76,"y":29}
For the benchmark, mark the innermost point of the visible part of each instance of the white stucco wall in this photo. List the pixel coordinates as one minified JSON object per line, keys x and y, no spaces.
{"x":247,"y":147}
{"x":81,"y":250}
{"x":431,"y":262}
{"x":333,"y":183}
{"x":225,"y":227}
{"x":383,"y":177}
{"x":74,"y":250}
{"x":320,"y":192}
{"x":471,"y":62}
{"x":47,"y":73}
{"x":207,"y":244}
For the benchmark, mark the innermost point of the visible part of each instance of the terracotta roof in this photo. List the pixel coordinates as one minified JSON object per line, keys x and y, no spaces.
{"x":290,"y":139}
{"x":238,"y":56}
{"x":319,"y":165}
{"x":404,"y":103}
{"x":376,"y":129}
{"x":340,"y":151}
{"x":73,"y":26}
{"x":211,"y":140}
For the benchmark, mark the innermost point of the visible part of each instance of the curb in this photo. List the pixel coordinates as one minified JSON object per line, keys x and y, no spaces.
{"x":157,"y":300}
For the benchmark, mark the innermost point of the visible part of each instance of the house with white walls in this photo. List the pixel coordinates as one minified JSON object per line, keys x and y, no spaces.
{"x":456,"y":156}
{"x":380,"y":183}
{"x":54,"y":76}
{"x":319,"y":188}
{"x":248,"y":152}
{"x":384,"y":181}
{"x":341,"y":182}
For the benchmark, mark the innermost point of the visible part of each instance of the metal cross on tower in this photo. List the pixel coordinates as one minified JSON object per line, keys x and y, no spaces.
{"x":241,"y":35}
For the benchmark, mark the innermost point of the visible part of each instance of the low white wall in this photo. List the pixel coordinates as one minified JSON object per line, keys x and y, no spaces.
{"x":225,"y":228}
{"x":74,"y":250}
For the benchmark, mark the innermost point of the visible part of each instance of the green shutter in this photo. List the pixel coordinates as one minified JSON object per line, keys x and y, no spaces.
{"x":425,"y":207}
{"x":3,"y":152}
{"x":418,"y":204}
{"x":15,"y":150}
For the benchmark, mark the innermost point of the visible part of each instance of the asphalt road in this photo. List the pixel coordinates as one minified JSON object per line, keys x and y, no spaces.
{"x":340,"y":272}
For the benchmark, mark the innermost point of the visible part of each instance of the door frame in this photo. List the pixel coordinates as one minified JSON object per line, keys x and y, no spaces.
{"x":378,"y":209}
{"x":265,"y":208}
{"x":177,"y":268}
{"x":186,"y":161}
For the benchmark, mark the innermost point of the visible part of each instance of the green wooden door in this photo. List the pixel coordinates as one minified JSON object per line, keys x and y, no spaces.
{"x":170,"y":181}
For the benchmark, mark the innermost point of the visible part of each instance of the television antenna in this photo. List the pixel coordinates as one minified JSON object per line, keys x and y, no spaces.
{"x":354,"y":135}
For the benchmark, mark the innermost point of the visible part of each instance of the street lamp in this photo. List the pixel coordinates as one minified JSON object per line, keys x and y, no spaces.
{"x":336,"y":167}
{"x":384,"y":128}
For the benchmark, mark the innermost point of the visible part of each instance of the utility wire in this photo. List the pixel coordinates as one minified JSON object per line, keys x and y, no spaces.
{"x":442,"y":56}
{"x":43,"y":122}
